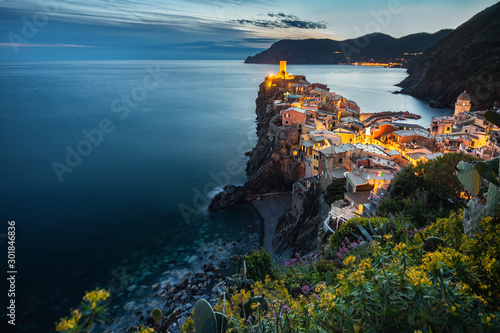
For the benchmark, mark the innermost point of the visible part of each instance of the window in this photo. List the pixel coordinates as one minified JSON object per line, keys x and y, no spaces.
{"x":316,"y":157}
{"x":286,"y":122}
{"x":340,"y":160}
{"x":448,"y":128}
{"x":316,"y":168}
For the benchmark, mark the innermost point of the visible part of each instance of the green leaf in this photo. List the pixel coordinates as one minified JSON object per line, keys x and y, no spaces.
{"x":329,"y":278}
{"x":247,"y":310}
{"x":468,"y":176}
{"x":492,"y":117}
{"x":204,"y":317}
{"x":489,"y":170}
{"x":493,"y":200}
{"x":365,"y":233}
{"x":222,"y":322}
{"x":430,"y":244}
{"x":156,"y":314}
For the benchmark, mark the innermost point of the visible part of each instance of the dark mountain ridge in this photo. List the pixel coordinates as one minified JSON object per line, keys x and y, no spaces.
{"x":466,"y":59}
{"x":376,"y":46}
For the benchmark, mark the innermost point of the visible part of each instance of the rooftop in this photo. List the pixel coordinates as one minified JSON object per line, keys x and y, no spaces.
{"x":359,"y":198}
{"x":464,"y":97}
{"x":412,"y":132}
{"x":337,"y":173}
{"x":393,"y":152}
{"x":379,"y":174}
{"x":296,"y":109}
{"x":356,"y":179}
{"x":373,"y":149}
{"x":332,"y":150}
{"x":433,"y":156}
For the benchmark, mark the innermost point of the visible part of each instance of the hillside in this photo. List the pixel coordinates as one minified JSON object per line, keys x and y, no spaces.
{"x":376,"y":46}
{"x":466,"y":59}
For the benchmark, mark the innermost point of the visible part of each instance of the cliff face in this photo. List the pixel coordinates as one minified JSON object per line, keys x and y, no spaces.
{"x":377,"y":46}
{"x":270,"y":167}
{"x":298,"y":228}
{"x":467,"y":59}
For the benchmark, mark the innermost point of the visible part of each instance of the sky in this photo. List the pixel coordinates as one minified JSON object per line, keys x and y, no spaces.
{"x":206,"y":29}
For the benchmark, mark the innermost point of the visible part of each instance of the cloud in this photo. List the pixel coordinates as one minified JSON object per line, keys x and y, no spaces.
{"x":282,"y":20}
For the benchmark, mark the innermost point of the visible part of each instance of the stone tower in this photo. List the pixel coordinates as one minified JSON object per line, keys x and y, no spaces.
{"x":463,"y":103}
{"x":283,"y":67}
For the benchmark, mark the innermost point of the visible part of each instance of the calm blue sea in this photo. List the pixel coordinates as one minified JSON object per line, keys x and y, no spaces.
{"x":96,"y":158}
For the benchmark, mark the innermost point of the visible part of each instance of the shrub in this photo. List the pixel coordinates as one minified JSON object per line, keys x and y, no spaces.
{"x":335,"y":191}
{"x":425,"y":192}
{"x":323,"y":266}
{"x":259,"y":265}
{"x":277,"y":121}
{"x":347,"y":229}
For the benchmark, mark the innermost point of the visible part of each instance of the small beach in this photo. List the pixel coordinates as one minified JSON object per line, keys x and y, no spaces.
{"x":270,"y":209}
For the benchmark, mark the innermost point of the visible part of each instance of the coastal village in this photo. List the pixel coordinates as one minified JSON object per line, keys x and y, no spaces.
{"x":333,"y":141}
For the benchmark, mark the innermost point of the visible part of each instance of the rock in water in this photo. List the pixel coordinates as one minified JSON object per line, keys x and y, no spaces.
{"x":231,"y":196}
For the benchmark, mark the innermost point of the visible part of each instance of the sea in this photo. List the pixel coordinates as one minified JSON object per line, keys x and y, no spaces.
{"x":108,"y":165}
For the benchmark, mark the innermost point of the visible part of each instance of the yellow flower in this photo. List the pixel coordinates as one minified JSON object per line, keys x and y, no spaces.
{"x":95,"y":296}
{"x":76,"y":315}
{"x":349,"y":260}
{"x":417,"y":277}
{"x":59,"y":327}
{"x":255,"y":305}
{"x":63,"y":325}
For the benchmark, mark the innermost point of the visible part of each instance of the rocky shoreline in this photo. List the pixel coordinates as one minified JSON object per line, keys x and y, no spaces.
{"x":176,"y":291}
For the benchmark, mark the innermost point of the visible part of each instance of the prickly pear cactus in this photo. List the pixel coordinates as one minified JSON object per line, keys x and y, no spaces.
{"x":204,"y":317}
{"x":247,"y":310}
{"x":472,"y":216}
{"x":469,"y":177}
{"x":221,"y":321}
{"x":329,"y":278}
{"x":493,"y":201}
{"x":430,"y":244}
{"x":156,"y":314}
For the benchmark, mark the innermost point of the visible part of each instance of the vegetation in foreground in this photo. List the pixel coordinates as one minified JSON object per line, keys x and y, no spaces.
{"x":392,"y":274}
{"x":436,"y":280}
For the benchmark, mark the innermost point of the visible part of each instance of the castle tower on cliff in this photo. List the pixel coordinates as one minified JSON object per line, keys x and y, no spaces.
{"x":462,"y":104}
{"x":283,"y":67}
{"x":282,"y":74}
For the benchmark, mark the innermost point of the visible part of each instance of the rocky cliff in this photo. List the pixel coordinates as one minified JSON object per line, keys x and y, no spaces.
{"x":270,"y":167}
{"x":466,"y":59}
{"x":298,"y":228}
